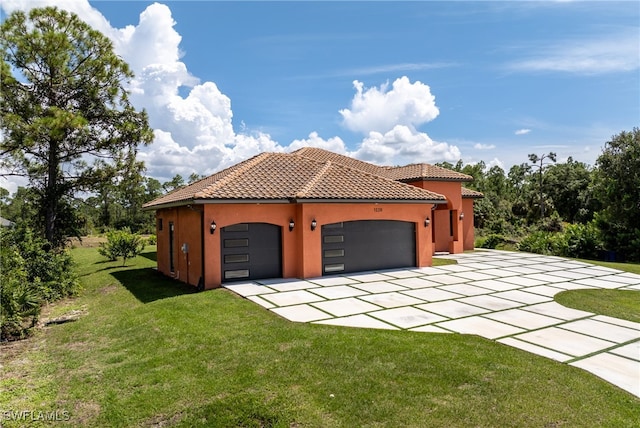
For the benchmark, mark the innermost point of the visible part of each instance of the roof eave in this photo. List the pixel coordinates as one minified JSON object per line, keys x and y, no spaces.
{"x":291,"y":200}
{"x":461,"y":180}
{"x":370,"y":201}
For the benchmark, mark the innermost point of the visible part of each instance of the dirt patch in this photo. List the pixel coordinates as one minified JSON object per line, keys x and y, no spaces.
{"x":87,"y":241}
{"x":109,"y":289}
{"x":84,"y":412}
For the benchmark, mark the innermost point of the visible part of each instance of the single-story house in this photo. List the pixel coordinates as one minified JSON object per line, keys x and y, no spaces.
{"x":310,"y":213}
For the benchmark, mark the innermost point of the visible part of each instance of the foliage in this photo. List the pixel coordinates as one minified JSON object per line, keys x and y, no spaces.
{"x":582,"y":241}
{"x":491,"y":241}
{"x":617,"y":187}
{"x":31,"y":275}
{"x":66,"y":119}
{"x":540,"y":242}
{"x":575,"y":240}
{"x":121,"y":243}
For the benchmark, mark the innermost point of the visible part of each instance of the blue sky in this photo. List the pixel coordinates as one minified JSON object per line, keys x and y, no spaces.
{"x":434,"y":81}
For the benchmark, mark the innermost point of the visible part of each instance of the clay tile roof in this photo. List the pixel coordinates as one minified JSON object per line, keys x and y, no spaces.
{"x":424,"y":171}
{"x":418,"y":171}
{"x":325,"y":155}
{"x":471,"y":194}
{"x":285,"y":177}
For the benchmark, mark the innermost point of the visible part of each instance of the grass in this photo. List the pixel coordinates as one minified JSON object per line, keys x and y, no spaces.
{"x":623,"y":304}
{"x":149,"y":352}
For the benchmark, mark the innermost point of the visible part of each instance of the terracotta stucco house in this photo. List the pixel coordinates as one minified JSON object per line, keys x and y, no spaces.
{"x":310,"y":213}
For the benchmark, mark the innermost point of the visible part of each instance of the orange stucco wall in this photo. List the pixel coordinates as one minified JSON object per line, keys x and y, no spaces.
{"x":469,"y":226}
{"x":444,"y":215}
{"x":302,"y":247}
{"x":187,"y":260}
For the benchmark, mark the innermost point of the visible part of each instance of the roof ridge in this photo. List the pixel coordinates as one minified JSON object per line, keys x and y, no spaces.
{"x":232,"y":175}
{"x":314,"y":180}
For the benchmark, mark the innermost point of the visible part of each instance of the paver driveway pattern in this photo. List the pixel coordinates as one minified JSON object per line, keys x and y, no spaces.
{"x":502,"y":296}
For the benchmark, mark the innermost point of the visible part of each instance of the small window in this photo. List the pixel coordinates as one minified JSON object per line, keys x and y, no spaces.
{"x":333,"y":253}
{"x":233,"y":243}
{"x":159,"y":224}
{"x":333,"y":239}
{"x":338,"y":267}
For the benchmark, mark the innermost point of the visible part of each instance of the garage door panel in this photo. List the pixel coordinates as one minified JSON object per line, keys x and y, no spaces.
{"x":251,"y":251}
{"x":367,"y":245}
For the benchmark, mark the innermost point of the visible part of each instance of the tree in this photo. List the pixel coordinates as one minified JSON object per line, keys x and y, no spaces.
{"x":176,"y":182}
{"x":121,"y":243}
{"x":569,"y":187}
{"x":618,"y":191}
{"x":534,"y":159}
{"x":64,"y":105}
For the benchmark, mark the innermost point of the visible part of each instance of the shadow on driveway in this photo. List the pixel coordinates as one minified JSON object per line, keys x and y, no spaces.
{"x":148,"y":285}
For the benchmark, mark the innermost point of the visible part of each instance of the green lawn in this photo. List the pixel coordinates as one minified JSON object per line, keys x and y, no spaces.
{"x":148,"y":352}
{"x":624,"y":304}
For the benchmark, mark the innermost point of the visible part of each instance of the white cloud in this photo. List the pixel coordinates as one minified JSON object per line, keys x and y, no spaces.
{"x":480,"y":146}
{"x":522,"y":131}
{"x":402,"y":145}
{"x":590,"y":55}
{"x":495,"y":162}
{"x":380,"y":109}
{"x":194,"y":133}
{"x":334,"y":144}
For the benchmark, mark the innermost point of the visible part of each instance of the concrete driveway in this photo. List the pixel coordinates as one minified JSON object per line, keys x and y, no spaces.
{"x":502,"y":296}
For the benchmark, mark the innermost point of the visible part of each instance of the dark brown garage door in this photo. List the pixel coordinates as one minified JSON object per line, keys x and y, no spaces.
{"x":356,"y":246}
{"x":251,"y":251}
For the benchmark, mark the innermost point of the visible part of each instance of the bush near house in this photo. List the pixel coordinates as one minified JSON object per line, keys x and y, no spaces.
{"x":121,"y":243}
{"x":32,"y":274}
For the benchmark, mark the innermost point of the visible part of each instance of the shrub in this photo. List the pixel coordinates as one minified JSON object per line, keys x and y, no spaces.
{"x":582,"y":240}
{"x":491,"y":241}
{"x":31,"y":274}
{"x":577,"y":240}
{"x":121,"y":243}
{"x":152,"y":240}
{"x":539,"y":242}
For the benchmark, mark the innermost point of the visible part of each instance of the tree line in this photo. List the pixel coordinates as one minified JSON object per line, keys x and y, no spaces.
{"x":543,"y":197}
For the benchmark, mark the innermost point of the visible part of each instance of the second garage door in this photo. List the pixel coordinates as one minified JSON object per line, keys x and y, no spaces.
{"x":356,"y":246}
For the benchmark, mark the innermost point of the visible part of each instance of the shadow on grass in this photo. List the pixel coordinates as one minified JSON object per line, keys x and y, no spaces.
{"x":151,"y":255}
{"x":148,"y":285}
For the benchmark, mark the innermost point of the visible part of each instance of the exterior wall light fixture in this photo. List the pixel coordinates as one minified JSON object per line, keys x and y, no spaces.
{"x":292,"y":224}
{"x":213,"y":227}
{"x":426,"y":222}
{"x":461,"y":216}
{"x":314,"y":224}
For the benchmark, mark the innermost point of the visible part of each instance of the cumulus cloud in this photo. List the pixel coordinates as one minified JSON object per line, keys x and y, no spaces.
{"x":401,"y":145}
{"x":389,"y":116}
{"x":334,"y":144}
{"x":522,"y":131}
{"x":495,"y":162}
{"x":193,"y":120}
{"x":380,"y":109}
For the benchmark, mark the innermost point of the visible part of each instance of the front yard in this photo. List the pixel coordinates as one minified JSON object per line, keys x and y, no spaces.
{"x":148,"y":352}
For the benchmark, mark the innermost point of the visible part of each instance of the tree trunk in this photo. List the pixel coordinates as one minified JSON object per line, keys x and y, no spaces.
{"x":51,"y":194}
